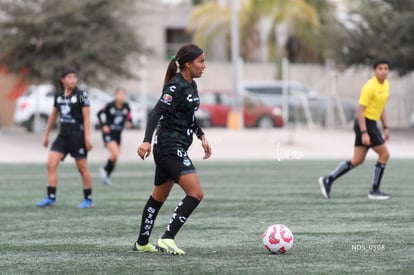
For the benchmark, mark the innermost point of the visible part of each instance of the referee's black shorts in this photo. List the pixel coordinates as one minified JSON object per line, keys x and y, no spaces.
{"x":171,"y":167}
{"x":112,"y":136}
{"x":72,"y":143}
{"x":374,"y":133}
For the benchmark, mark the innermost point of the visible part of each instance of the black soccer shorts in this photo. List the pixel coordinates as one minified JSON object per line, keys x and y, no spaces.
{"x":374,"y":133}
{"x":112,"y":136}
{"x":172,"y":167}
{"x":72,"y":143}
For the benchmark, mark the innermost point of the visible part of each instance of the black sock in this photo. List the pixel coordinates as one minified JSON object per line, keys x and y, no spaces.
{"x":109,"y":167}
{"x":378,"y":172}
{"x":87,"y":193}
{"x":180,"y":215}
{"x":149,"y":214}
{"x":51,"y":192}
{"x":342,"y":168}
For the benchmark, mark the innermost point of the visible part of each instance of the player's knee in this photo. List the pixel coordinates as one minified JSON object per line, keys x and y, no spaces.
{"x":83,"y":170}
{"x":384,"y":157}
{"x":51,"y":165}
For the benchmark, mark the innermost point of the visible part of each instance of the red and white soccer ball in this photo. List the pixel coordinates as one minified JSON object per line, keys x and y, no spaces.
{"x":278,"y":239}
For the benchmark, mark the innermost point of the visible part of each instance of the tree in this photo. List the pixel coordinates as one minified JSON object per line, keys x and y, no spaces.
{"x":316,"y":44}
{"x":382,"y":28}
{"x":211,"y":20}
{"x":90,"y":35}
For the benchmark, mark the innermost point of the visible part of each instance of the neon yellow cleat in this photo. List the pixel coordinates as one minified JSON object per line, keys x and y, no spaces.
{"x":169,"y":246}
{"x":144,"y":248}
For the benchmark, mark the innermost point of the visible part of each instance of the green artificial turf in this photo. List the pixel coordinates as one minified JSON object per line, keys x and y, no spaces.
{"x":346,"y":234}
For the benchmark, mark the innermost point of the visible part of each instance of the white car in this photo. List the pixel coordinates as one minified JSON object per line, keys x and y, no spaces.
{"x":38,"y":100}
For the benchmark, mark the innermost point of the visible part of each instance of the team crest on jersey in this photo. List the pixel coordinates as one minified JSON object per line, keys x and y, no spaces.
{"x":125,"y":111}
{"x":167,"y":99}
{"x":59,"y":99}
{"x":112,"y":111}
{"x":65,"y":109}
{"x":73,"y":99}
{"x":187,"y":162}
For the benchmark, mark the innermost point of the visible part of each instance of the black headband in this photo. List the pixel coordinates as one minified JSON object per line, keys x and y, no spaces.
{"x":190,"y":56}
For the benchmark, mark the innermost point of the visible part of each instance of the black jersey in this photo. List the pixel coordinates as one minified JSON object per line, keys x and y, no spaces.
{"x":70,"y":110}
{"x":175,"y":114}
{"x":114,"y":117}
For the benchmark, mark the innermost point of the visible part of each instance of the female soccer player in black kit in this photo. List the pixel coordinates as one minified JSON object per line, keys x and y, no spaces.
{"x":72,"y":106}
{"x":112,"y":119}
{"x":174,"y":114}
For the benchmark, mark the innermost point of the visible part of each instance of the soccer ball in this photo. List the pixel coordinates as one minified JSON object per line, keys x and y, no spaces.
{"x":278,"y":239}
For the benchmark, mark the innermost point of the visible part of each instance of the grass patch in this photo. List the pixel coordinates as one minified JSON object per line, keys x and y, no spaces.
{"x":347,"y":234}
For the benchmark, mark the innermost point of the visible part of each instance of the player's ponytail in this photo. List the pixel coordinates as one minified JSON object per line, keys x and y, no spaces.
{"x":186,"y":53}
{"x":171,"y":70}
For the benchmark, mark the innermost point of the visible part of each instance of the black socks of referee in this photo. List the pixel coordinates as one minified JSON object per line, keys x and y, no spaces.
{"x":180,"y":215}
{"x":149,"y":214}
{"x":378,"y":172}
{"x":109,"y":167}
{"x":342,"y":168}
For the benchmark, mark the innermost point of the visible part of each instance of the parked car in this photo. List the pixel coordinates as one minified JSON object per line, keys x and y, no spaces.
{"x":36,"y":99}
{"x":219,"y":104}
{"x":203,"y":117}
{"x":299,"y":96}
{"x":137,"y":99}
{"x":39,"y":100}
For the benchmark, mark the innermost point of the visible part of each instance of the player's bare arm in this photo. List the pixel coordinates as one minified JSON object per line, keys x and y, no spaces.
{"x":384,"y":125}
{"x":362,"y":125}
{"x":50,"y":122}
{"x":87,"y":127}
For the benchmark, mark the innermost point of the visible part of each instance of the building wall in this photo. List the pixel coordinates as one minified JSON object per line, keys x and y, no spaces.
{"x":154,"y":19}
{"x":7,"y":106}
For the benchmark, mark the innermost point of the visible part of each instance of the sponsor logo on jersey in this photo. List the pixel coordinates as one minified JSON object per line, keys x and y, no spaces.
{"x":112,"y":111}
{"x":167,"y":99}
{"x":118,"y":119}
{"x":73,"y":99}
{"x":125,"y":111}
{"x":190,"y":98}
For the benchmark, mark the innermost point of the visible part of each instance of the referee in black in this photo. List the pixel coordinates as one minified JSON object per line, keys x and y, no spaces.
{"x":174,"y":114}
